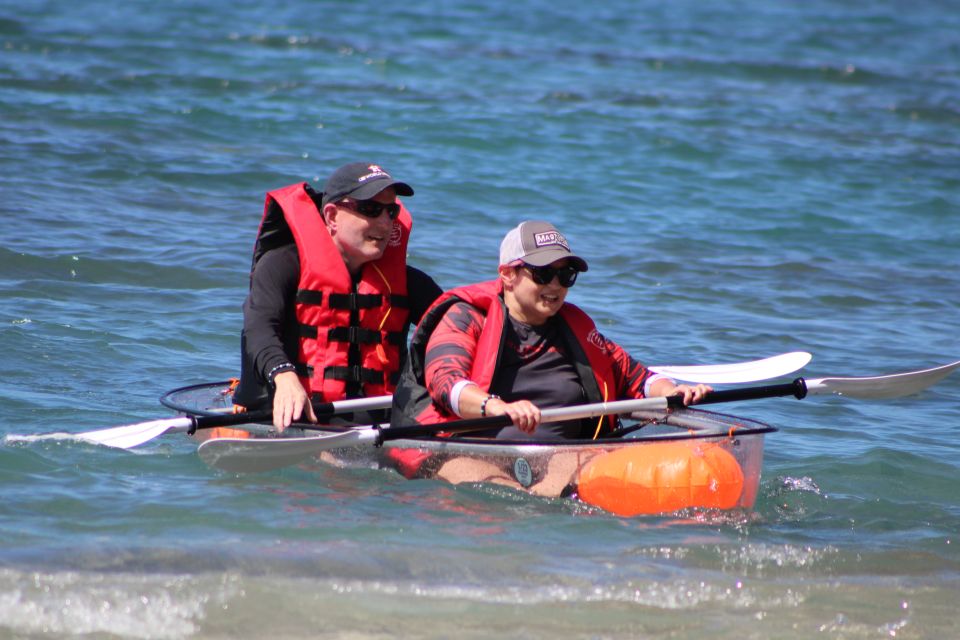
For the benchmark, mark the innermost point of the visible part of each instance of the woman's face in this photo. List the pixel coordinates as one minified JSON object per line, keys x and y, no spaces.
{"x":528,"y":301}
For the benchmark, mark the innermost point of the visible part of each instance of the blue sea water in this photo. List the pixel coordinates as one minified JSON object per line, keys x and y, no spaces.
{"x":745,"y":178}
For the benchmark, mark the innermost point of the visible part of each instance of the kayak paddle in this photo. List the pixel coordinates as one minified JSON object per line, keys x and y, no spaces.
{"x":241,"y":455}
{"x":132,"y":435}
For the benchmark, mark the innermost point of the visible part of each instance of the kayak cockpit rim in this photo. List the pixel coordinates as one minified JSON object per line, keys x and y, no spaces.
{"x":222,"y":389}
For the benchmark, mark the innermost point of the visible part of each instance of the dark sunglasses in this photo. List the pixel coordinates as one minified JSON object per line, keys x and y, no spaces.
{"x":545,"y":275}
{"x":372,"y":208}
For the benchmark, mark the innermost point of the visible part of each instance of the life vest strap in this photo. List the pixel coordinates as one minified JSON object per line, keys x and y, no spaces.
{"x":372,"y":376}
{"x":356,"y":373}
{"x":354,"y":335}
{"x":345,"y":300}
{"x":354,"y":301}
{"x":310,"y":296}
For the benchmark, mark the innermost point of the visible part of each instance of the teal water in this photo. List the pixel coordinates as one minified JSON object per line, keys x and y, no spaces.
{"x":745,"y":178}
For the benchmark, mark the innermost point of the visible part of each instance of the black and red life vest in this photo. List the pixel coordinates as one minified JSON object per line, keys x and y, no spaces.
{"x":326,"y":302}
{"x":589,"y":349}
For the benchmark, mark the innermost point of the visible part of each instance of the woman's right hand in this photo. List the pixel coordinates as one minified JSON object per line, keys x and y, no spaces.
{"x":290,"y":401}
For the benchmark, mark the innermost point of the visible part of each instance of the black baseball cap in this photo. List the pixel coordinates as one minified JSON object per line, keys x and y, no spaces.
{"x":361,"y":181}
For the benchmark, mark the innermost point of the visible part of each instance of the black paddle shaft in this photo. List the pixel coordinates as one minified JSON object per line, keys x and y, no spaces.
{"x":456,"y":426}
{"x":321,"y":409}
{"x":228,"y":419}
{"x":797,"y":388}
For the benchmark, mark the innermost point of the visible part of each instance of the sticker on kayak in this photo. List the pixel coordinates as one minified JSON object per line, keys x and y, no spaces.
{"x":522,"y":472}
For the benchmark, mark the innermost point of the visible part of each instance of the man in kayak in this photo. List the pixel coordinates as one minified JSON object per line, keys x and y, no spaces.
{"x":513,"y":345}
{"x":331,"y":296}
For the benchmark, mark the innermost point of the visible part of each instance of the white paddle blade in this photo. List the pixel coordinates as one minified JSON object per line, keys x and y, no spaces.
{"x":738,"y":372}
{"x":881,"y":387}
{"x":133,"y":435}
{"x":242,"y":455}
{"x":125,"y":437}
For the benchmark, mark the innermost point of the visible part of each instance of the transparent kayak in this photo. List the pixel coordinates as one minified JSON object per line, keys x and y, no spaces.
{"x":660,"y":461}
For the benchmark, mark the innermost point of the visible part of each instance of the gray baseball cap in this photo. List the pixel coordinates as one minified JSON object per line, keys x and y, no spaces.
{"x":537,"y":243}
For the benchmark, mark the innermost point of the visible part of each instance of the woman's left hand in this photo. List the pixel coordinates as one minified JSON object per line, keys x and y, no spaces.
{"x":692,"y":394}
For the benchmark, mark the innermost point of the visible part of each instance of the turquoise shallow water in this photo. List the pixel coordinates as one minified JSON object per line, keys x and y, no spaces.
{"x":745,"y":179}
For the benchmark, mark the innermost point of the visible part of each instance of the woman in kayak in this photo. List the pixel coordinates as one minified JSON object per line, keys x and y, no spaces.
{"x":513,"y":345}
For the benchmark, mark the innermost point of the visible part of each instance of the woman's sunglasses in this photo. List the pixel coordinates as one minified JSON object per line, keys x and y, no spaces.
{"x":371,"y":208}
{"x":545,"y":275}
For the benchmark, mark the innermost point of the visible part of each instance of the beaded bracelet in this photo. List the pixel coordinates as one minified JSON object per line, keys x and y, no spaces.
{"x":483,"y":405}
{"x":280,"y":368}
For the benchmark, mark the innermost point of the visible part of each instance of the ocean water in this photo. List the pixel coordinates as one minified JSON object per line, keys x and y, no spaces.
{"x":745,"y":178}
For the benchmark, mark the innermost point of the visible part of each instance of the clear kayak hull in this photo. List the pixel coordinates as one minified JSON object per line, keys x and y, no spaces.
{"x":662,"y":462}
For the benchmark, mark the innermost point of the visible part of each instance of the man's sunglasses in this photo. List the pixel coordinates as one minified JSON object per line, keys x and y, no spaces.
{"x":545,"y":275}
{"x":371,"y":208}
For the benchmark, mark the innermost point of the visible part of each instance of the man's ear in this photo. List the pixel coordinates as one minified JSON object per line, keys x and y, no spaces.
{"x":330,"y":213}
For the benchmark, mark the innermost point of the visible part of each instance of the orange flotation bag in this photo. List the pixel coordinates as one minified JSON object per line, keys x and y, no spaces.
{"x":662,"y":477}
{"x":227,"y":432}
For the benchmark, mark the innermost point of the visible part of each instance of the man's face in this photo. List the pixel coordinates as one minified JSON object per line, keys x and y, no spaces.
{"x":359,"y":238}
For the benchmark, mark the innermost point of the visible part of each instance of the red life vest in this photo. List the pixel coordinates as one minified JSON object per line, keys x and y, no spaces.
{"x":589,"y":349}
{"x":325,"y":299}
